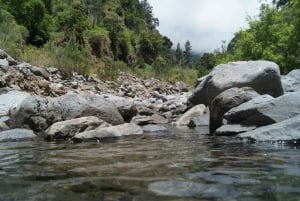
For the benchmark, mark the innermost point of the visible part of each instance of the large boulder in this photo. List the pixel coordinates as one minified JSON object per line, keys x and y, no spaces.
{"x":262,"y":76}
{"x":287,"y":130}
{"x":69,"y":128}
{"x":291,"y":81}
{"x":11,"y":100}
{"x":17,"y":135}
{"x":264,"y":110}
{"x":226,"y":100}
{"x":110,"y":132}
{"x":39,"y":113}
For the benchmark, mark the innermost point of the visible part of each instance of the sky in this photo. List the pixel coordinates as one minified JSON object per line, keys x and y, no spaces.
{"x":205,"y":23}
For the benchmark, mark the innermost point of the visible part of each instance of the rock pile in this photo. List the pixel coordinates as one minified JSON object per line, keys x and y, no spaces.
{"x":251,"y":100}
{"x":58,"y":106}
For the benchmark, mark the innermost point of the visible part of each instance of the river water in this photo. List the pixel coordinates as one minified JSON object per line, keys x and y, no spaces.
{"x":183,"y":166}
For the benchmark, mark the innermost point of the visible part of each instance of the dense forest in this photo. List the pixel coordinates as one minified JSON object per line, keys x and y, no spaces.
{"x":101,"y":38}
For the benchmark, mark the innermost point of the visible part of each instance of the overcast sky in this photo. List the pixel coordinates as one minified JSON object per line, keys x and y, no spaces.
{"x":205,"y":23}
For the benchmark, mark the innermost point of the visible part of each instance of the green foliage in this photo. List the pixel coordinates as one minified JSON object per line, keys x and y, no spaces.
{"x":99,"y":42}
{"x":11,"y":35}
{"x":100,"y":37}
{"x":70,"y":57}
{"x":151,"y":45}
{"x":273,"y":36}
{"x":33,"y":15}
{"x":73,"y":22}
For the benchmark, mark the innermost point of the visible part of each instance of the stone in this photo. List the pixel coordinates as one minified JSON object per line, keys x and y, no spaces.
{"x":291,"y":81}
{"x":40,"y":72}
{"x":3,"y":54}
{"x":264,"y":110}
{"x":262,"y":76}
{"x":142,"y":110}
{"x":39,"y":113}
{"x":17,"y":135}
{"x":69,"y":128}
{"x":4,"y":64}
{"x":195,"y":111}
{"x":125,"y":106}
{"x":233,"y":129}
{"x":145,"y":120}
{"x":110,"y":132}
{"x":3,"y":126}
{"x":287,"y":130}
{"x":182,"y":86}
{"x":155,"y":129}
{"x":141,"y":120}
{"x":11,"y":100}
{"x":226,"y":100}
{"x":199,"y":121}
{"x":52,"y":70}
{"x":158,"y":119}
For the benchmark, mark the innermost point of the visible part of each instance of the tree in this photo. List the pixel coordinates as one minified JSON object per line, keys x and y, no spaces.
{"x":187,"y":54}
{"x":33,"y":15}
{"x":271,"y":37}
{"x":178,"y":54}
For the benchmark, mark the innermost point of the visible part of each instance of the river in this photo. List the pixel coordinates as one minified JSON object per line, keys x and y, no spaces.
{"x":185,"y":165}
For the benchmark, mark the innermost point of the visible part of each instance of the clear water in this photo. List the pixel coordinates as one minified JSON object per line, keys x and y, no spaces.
{"x":183,"y":166}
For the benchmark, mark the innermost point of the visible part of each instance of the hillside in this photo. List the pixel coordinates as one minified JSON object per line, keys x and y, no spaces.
{"x":92,"y":37}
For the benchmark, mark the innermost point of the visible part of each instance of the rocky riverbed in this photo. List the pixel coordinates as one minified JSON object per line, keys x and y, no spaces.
{"x":247,"y":100}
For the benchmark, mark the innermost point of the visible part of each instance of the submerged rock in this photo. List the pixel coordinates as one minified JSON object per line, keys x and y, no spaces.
{"x":287,"y":130}
{"x":69,"y":128}
{"x":17,"y":135}
{"x":155,"y":129}
{"x":262,"y":76}
{"x":110,"y":132}
{"x":229,"y":130}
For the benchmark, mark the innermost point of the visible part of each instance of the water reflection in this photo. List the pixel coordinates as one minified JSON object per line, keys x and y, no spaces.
{"x":182,"y":166}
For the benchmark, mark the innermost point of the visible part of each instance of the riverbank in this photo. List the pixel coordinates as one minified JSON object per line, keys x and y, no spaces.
{"x":248,"y":100}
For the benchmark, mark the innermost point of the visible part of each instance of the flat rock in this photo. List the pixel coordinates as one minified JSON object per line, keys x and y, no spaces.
{"x":226,"y":100}
{"x":110,"y":132}
{"x":264,"y":110}
{"x":17,"y":135}
{"x":155,"y":129}
{"x":69,"y":128}
{"x":262,"y":76}
{"x":39,"y":113}
{"x":287,"y":130}
{"x":145,"y":120}
{"x":229,"y":130}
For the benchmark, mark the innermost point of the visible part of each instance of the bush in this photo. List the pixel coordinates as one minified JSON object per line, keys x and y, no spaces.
{"x":11,"y":35}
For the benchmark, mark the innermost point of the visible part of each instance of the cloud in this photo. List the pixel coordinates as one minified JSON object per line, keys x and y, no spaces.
{"x":204,"y":22}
